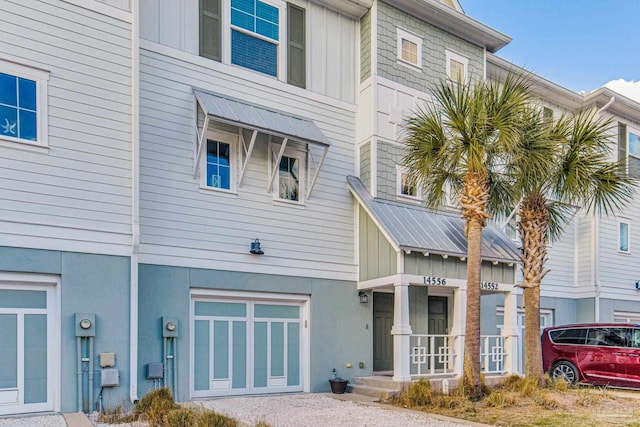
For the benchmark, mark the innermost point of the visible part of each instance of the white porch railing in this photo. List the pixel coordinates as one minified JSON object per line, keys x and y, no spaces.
{"x":435,"y":355}
{"x":492,"y":354}
{"x":431,"y":354}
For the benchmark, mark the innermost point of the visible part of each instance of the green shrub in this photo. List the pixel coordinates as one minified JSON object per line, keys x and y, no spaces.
{"x":181,"y":417}
{"x":213,"y":419}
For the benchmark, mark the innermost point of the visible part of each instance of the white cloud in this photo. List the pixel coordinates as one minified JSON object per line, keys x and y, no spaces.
{"x":629,"y":89}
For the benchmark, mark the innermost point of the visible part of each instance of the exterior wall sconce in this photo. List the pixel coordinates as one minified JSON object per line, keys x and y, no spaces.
{"x":255,"y":248}
{"x":364,"y":297}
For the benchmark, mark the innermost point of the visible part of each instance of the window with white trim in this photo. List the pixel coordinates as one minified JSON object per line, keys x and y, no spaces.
{"x":409,"y":48}
{"x":457,"y":67}
{"x":289,"y":181}
{"x":267,"y":36}
{"x":23,"y":104}
{"x":623,"y":236}
{"x":219,"y":163}
{"x":406,"y":187}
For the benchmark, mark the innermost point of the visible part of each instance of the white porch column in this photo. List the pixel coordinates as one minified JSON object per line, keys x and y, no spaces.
{"x":457,"y":328}
{"x":401,"y":332}
{"x":511,"y":332}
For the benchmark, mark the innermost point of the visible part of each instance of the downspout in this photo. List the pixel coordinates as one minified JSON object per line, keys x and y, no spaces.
{"x":135,"y":207}
{"x":596,"y":242}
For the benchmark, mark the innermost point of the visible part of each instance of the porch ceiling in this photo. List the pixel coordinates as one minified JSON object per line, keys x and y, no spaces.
{"x":418,"y":229}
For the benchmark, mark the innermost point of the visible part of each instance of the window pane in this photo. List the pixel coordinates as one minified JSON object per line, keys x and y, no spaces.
{"x":218,"y":165}
{"x":267,"y":12}
{"x":248,"y":6}
{"x":28,"y":125}
{"x":457,"y":70}
{"x":242,"y":20}
{"x":635,"y":338}
{"x":8,"y":90}
{"x":27,"y":94}
{"x":611,"y":337}
{"x":624,"y":237}
{"x":634,"y":144}
{"x":407,"y":187}
{"x":409,"y":51}
{"x":267,"y":29}
{"x":253,"y":53}
{"x":569,"y":336}
{"x":288,"y":179}
{"x":8,"y":121}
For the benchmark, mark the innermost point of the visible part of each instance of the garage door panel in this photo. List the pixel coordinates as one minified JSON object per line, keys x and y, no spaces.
{"x":276,"y":311}
{"x":239,"y":375}
{"x":201,"y":355}
{"x":35,"y":358}
{"x":220,"y":350}
{"x":8,"y":353}
{"x":220,"y":309}
{"x":13,"y":298}
{"x":260,"y":351}
{"x":293,"y":354}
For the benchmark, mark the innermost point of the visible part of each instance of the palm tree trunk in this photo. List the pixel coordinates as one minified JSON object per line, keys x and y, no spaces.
{"x":534,"y":223}
{"x":472,"y":326}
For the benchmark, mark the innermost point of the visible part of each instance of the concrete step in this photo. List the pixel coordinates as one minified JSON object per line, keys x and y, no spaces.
{"x":378,"y":392}
{"x":379,"y":382}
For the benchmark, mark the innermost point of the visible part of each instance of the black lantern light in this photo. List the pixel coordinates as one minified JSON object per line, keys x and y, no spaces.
{"x":255,"y":248}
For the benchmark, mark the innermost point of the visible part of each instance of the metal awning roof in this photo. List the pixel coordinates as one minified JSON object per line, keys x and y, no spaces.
{"x":414,"y":228}
{"x":251,"y":116}
{"x":258,"y":119}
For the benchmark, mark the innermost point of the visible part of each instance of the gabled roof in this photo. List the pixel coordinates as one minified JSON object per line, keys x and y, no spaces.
{"x":418,"y":229}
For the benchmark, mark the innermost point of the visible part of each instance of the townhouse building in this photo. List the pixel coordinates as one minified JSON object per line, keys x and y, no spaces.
{"x":207,"y":195}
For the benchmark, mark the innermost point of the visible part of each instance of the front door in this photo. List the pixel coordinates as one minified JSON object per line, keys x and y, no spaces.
{"x":438,"y":325}
{"x":382,"y":338}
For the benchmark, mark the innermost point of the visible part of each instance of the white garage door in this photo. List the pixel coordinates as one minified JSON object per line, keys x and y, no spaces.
{"x":246,"y":347}
{"x":28,"y":348}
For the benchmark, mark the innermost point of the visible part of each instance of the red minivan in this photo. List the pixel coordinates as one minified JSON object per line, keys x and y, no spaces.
{"x":595,"y":353}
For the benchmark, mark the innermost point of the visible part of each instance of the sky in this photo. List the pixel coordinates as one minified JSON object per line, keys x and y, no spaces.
{"x":579,"y":44}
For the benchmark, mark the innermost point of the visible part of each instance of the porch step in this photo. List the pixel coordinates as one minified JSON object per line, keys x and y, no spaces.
{"x":377,"y":392}
{"x":379,"y":382}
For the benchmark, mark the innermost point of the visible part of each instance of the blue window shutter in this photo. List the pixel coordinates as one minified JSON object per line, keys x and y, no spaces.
{"x":296,"y":41}
{"x":210,"y":29}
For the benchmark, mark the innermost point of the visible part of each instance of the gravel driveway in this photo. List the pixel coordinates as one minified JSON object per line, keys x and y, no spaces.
{"x":312,"y":410}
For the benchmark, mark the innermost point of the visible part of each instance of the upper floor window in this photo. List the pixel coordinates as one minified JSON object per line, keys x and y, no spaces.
{"x":409,"y":48}
{"x":457,"y":67}
{"x":23,"y":93}
{"x":406,"y":185}
{"x":629,"y":148}
{"x":289,"y":180}
{"x":623,"y":236}
{"x":220,"y":161}
{"x":260,"y":34}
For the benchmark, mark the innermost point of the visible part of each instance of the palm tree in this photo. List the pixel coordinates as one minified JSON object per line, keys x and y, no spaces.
{"x":561,"y":165}
{"x":460,"y":141}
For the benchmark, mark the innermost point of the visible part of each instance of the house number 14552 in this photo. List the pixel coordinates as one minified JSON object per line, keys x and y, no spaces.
{"x":438,"y":281}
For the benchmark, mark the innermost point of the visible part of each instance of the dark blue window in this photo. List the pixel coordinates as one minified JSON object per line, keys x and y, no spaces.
{"x":252,"y":18}
{"x":218,"y":165}
{"x":18,"y":115}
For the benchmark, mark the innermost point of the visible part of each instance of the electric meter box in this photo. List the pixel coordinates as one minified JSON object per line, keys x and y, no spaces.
{"x":155,"y":371}
{"x":169,"y":327}
{"x":85,"y":325}
{"x":109,"y":378}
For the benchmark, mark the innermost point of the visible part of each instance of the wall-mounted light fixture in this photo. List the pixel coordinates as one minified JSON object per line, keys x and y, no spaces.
{"x":637,"y":285}
{"x":364,"y":297}
{"x":255,"y":248}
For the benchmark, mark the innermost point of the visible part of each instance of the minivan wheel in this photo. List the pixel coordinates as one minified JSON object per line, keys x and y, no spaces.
{"x":565,"y":370}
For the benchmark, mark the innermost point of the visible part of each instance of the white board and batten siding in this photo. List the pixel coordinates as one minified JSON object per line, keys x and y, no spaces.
{"x":74,"y":195}
{"x":560,"y":281}
{"x":331,"y":40}
{"x":183,"y":224}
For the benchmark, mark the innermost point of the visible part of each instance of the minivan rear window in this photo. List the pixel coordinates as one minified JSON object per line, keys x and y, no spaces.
{"x":569,"y":336}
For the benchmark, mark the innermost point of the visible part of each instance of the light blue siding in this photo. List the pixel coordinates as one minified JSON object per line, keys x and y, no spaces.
{"x":35,"y":358}
{"x":9,"y":351}
{"x":22,"y":299}
{"x":201,"y":355}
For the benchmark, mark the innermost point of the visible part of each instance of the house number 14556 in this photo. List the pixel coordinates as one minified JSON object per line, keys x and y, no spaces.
{"x":438,"y":281}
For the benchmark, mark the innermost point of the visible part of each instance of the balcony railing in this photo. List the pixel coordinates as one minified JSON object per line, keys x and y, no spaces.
{"x":434,"y":355}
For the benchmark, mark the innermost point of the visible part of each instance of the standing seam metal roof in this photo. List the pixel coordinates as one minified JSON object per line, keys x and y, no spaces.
{"x":415,"y":228}
{"x":260,"y":118}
